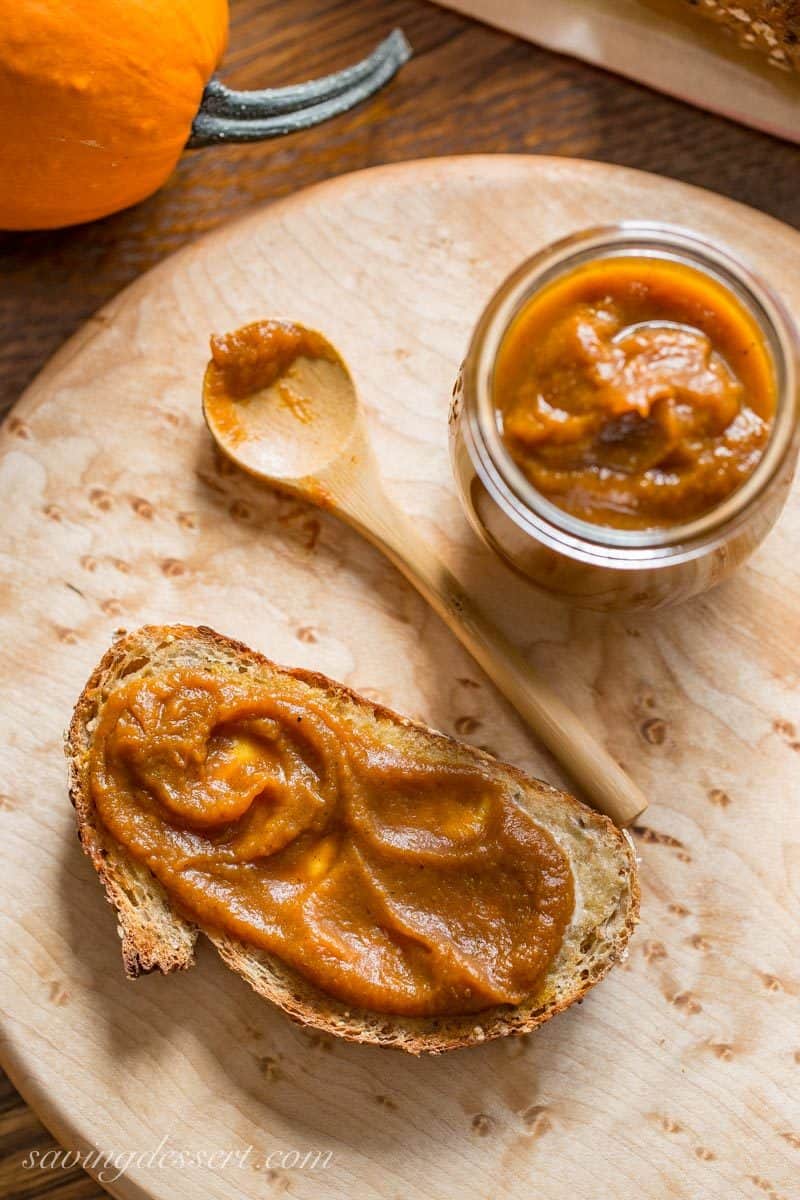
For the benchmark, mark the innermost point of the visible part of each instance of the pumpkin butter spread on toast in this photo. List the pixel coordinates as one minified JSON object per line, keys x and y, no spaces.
{"x":372,"y":877}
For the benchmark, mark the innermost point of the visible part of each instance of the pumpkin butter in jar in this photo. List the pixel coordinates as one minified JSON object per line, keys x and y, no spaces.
{"x":635,"y":392}
{"x":625,"y":423}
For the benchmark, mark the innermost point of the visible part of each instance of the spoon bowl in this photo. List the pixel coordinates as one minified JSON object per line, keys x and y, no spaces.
{"x":290,"y":431}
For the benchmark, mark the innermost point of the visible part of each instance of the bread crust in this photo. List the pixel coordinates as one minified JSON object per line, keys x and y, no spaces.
{"x":155,"y":936}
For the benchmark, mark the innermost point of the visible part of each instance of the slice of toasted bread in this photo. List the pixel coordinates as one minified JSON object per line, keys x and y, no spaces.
{"x":155,"y":936}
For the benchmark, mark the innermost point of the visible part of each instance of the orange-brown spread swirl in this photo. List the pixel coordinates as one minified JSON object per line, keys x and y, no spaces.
{"x":255,"y":356}
{"x":395,"y":877}
{"x":635,"y":392}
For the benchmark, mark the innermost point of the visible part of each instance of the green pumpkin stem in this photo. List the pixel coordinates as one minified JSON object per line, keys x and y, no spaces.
{"x":234,"y":116}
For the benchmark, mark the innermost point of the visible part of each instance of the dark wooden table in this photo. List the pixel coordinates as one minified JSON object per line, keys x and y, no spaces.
{"x":468,"y":89}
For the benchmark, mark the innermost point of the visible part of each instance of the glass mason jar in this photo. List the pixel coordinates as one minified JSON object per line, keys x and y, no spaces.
{"x":592,"y":565}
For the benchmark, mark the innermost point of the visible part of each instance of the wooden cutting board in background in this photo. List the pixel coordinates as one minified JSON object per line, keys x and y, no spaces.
{"x":677,"y":1076}
{"x":662,"y":43}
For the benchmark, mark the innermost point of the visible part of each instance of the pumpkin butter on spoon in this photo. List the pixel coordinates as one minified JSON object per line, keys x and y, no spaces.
{"x":634,"y":392}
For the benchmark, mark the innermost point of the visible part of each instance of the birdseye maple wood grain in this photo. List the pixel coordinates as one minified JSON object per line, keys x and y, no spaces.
{"x":468,"y":88}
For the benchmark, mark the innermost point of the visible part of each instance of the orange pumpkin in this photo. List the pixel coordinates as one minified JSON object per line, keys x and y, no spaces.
{"x":97,"y":99}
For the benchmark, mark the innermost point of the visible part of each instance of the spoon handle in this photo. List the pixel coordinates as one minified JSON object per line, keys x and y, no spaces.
{"x":604,"y":783}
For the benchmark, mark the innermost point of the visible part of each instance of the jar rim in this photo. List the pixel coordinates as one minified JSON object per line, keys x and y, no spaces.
{"x":630,"y":239}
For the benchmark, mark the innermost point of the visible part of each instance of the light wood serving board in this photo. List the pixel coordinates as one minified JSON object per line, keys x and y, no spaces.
{"x":678,"y":1076}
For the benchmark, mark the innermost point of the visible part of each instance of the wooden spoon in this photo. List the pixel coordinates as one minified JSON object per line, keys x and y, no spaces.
{"x":304,"y":433}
